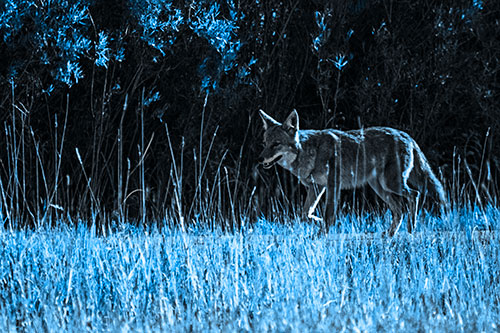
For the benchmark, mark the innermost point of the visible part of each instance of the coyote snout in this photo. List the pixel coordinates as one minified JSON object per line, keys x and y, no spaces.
{"x":386,"y":159}
{"x":268,"y":160}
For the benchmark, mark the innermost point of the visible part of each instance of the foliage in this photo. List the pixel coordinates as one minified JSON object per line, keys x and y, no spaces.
{"x":159,"y":22}
{"x":50,"y":39}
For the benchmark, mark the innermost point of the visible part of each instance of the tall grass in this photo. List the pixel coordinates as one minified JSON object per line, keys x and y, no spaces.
{"x":206,"y":265}
{"x":265,"y":277}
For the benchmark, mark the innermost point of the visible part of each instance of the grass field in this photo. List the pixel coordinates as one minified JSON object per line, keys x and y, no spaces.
{"x":271,"y":276}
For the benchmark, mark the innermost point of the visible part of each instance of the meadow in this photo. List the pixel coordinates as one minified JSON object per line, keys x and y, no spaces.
{"x":269,"y":276}
{"x":130,"y":198}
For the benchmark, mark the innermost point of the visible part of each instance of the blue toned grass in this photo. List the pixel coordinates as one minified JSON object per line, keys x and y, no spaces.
{"x":269,"y":277}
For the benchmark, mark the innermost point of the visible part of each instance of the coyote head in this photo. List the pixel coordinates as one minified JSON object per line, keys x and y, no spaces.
{"x":281,"y":141}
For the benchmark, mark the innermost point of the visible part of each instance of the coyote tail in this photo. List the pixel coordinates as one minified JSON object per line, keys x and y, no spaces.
{"x":432,"y":186}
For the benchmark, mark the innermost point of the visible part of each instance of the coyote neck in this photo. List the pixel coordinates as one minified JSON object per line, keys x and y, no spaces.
{"x":303,"y":162}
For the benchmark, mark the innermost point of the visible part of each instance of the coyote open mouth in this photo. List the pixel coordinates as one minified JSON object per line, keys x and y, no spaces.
{"x":272,"y":161}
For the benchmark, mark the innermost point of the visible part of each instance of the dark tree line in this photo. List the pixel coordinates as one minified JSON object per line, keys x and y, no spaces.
{"x":149,"y":108}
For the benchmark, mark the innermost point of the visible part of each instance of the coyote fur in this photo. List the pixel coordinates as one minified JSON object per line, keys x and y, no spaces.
{"x":386,"y":159}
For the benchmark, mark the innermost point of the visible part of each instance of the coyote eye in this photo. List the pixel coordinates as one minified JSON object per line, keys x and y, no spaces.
{"x":275,"y":145}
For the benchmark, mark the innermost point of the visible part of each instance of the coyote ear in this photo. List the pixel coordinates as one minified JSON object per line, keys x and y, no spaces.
{"x":268,"y":120}
{"x":292,"y":122}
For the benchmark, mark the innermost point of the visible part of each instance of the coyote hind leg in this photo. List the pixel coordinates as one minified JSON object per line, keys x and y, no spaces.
{"x":393,"y":200}
{"x":413,"y":204}
{"x":396,"y":202}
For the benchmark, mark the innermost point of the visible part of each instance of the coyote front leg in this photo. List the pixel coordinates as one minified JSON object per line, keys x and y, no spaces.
{"x":333,"y":188}
{"x":312,"y":201}
{"x":332,"y":199}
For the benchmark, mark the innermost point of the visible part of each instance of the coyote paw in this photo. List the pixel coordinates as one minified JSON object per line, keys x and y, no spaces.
{"x":314,"y":217}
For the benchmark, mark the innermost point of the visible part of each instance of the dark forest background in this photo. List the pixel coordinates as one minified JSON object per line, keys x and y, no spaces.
{"x":147,"y":109}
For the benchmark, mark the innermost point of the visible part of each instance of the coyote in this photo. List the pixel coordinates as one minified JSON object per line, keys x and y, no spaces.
{"x":387,"y":159}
